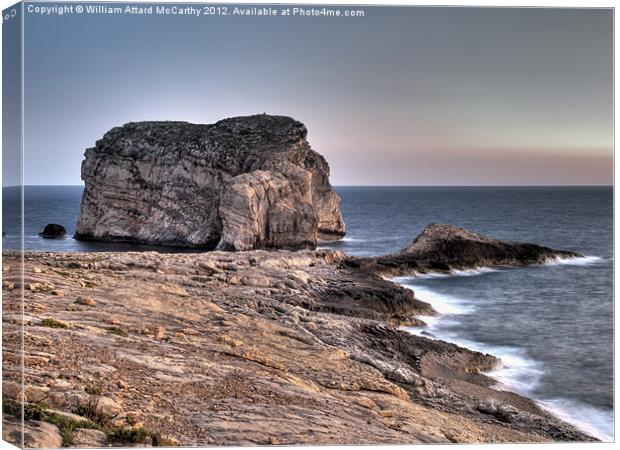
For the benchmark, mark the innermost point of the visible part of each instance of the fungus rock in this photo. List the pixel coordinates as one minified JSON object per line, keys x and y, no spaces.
{"x":242,"y":183}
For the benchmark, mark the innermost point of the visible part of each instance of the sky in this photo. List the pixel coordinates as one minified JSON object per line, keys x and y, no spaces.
{"x":402,"y":96}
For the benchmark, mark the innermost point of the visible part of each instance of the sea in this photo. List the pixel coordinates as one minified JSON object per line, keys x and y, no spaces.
{"x":551,"y":325}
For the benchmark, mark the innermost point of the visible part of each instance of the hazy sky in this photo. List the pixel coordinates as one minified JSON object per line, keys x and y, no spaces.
{"x":406,"y":96}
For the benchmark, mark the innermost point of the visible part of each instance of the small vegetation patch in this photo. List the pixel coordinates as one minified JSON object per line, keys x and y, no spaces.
{"x":67,"y":426}
{"x":135,"y":435}
{"x":53,"y":323}
{"x":91,"y":411}
{"x":93,"y":390}
{"x":117,"y":331}
{"x":32,"y":411}
{"x":36,"y":411}
{"x":93,"y":420}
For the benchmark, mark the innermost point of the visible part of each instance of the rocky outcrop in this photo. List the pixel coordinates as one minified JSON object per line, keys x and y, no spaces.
{"x":52,"y":231}
{"x":35,"y":434}
{"x":249,"y":348}
{"x":239,"y":184}
{"x":457,"y":247}
{"x":445,"y":248}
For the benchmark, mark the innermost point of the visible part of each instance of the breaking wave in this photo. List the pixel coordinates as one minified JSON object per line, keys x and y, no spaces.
{"x":578,"y":261}
{"x":517,"y":372}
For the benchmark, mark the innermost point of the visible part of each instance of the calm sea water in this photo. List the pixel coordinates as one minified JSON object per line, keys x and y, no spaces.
{"x":551,"y":325}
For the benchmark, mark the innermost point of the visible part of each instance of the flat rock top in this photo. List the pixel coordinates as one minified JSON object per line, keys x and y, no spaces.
{"x":248,"y":134}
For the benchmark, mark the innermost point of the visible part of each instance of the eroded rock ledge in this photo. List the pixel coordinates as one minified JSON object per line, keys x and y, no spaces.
{"x":239,"y":184}
{"x":445,"y":248}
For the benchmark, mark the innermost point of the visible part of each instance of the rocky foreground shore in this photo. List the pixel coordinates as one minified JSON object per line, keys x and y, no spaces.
{"x":259,"y":347}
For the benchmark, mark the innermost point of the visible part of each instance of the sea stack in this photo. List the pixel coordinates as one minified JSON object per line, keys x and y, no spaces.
{"x":240,"y":184}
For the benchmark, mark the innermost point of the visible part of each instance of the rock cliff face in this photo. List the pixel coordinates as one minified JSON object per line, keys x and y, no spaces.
{"x":239,"y":184}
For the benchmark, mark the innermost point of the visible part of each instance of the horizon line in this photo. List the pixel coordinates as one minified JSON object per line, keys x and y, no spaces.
{"x":384,"y":185}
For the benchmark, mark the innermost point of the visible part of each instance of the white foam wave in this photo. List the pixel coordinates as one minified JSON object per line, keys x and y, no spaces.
{"x":427,"y":331}
{"x":521,"y":374}
{"x":350,"y":239}
{"x":596,"y":422}
{"x":578,"y":261}
{"x":443,"y":304}
{"x":473,"y":272}
{"x":517,"y":372}
{"x":452,"y":273}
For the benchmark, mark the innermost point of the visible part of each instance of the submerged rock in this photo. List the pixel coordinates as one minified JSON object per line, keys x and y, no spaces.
{"x":239,"y":184}
{"x":53,"y":230}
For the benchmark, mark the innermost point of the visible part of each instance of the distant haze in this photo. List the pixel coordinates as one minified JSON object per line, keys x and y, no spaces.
{"x":403,"y":96}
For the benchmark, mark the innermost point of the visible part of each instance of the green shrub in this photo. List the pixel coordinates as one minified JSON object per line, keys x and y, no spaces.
{"x":66,"y":426}
{"x":53,"y":323}
{"x":135,"y":435}
{"x":93,"y":390}
{"x":91,"y":411}
{"x":34,"y":411}
{"x":116,"y":331}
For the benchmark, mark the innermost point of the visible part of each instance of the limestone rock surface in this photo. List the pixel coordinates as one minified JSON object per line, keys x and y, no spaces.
{"x":35,"y":434}
{"x":260,"y":347}
{"x":242,"y":183}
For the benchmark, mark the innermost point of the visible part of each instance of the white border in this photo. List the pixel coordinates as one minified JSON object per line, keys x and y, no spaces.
{"x":490,"y":3}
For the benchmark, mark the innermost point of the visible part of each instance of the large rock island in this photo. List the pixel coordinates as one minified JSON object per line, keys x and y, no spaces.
{"x":239,"y":184}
